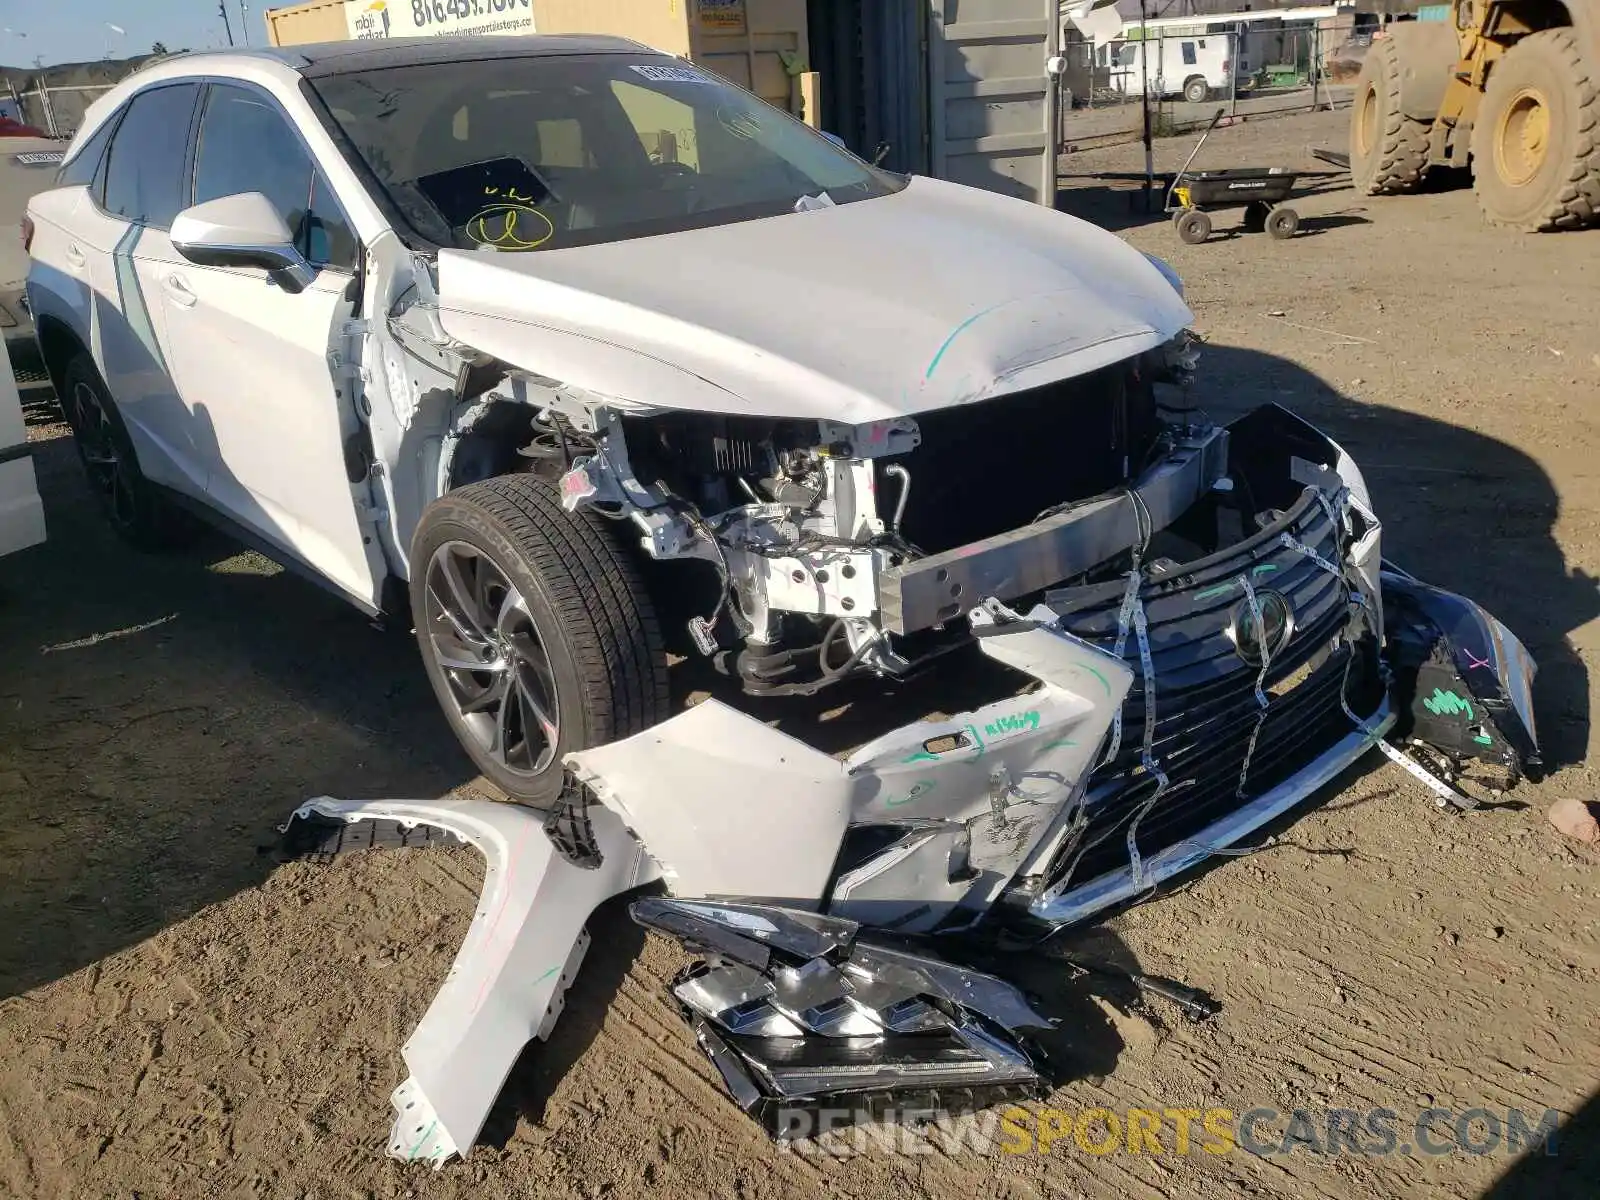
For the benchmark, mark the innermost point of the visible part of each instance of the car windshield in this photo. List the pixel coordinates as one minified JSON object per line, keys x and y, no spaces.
{"x":555,"y":151}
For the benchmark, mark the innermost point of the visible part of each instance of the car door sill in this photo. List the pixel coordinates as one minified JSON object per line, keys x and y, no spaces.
{"x":279,"y":554}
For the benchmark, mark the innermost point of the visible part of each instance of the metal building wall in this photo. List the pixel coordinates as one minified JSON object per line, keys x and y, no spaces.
{"x":871,"y":55}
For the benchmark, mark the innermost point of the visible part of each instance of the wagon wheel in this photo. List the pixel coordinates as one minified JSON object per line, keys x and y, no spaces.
{"x":1282,"y":223}
{"x":1194,"y":226}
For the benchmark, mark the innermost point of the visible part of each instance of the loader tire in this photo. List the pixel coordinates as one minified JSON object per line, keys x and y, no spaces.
{"x":577,"y":652}
{"x":1388,"y":150}
{"x":1536,"y":144}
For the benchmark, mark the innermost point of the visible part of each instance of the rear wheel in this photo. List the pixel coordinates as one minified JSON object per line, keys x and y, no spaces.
{"x":1195,"y":90}
{"x":133,"y":506}
{"x":1282,"y":223}
{"x":1536,"y":144}
{"x":1388,"y":150}
{"x":535,"y":630}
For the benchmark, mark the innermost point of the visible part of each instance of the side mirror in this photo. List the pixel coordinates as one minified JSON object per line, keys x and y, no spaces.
{"x":835,"y":139}
{"x":243,"y":230}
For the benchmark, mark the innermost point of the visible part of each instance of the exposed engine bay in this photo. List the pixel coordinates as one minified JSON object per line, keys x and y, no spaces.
{"x":814,"y":530}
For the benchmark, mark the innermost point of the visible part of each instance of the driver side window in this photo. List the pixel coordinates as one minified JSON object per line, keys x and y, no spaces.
{"x":246,"y":145}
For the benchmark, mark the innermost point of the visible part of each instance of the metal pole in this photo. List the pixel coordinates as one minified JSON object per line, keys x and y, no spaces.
{"x":1234,"y":59}
{"x":1144,"y":84}
{"x":222,"y":7}
{"x":49,"y":111}
{"x":244,"y":21}
{"x":1316,"y":67}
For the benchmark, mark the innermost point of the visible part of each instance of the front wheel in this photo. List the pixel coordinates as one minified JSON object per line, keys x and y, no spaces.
{"x":1194,"y":226}
{"x":1536,"y":143}
{"x":535,"y":629}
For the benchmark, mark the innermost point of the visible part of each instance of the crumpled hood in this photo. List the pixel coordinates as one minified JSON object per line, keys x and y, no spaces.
{"x":934,"y":296}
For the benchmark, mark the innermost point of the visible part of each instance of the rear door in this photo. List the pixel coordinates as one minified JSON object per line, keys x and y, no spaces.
{"x":252,"y":359}
{"x":122,"y":231}
{"x":993,"y":101}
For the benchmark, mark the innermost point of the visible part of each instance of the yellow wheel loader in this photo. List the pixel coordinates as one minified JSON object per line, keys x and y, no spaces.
{"x":1511,"y":87}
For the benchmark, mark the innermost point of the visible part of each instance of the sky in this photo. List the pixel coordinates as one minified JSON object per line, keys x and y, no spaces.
{"x":77,"y":30}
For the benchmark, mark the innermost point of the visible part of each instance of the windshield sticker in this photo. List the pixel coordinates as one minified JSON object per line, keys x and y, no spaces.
{"x":670,"y":74}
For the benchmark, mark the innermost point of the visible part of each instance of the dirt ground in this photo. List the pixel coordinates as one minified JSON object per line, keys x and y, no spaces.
{"x":182,"y":1017}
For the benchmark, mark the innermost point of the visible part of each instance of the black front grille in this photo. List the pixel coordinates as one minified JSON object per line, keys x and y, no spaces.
{"x":1205,"y":701}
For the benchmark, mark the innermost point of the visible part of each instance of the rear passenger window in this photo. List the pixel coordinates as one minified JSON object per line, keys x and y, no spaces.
{"x":1188,"y":54}
{"x":247,"y":145}
{"x":83,"y":166}
{"x":145,"y":174}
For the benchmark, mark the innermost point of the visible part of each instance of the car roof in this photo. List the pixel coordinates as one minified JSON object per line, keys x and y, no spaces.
{"x":320,"y":59}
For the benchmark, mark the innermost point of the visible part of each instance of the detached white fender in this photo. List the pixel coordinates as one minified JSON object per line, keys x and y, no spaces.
{"x":508,"y":982}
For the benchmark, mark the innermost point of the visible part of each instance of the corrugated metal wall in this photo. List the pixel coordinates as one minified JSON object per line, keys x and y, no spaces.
{"x":871,"y":55}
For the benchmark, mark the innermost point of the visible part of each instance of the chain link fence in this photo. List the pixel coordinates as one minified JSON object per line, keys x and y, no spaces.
{"x":54,"y":99}
{"x":1184,"y":74}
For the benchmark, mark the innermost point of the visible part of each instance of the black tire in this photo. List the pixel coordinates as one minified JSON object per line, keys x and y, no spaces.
{"x":1195,"y":90}
{"x":1388,"y":150}
{"x":1194,"y":226}
{"x":1282,"y":223}
{"x":135,"y":508}
{"x":1560,"y":187}
{"x":588,"y":607}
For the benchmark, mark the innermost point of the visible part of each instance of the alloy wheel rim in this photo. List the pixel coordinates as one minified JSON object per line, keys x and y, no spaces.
{"x":1522,"y":137}
{"x":1367,"y":125}
{"x":496,"y":669}
{"x":97,"y":446}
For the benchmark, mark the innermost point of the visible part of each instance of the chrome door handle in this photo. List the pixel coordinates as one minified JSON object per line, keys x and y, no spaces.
{"x":179,"y":291}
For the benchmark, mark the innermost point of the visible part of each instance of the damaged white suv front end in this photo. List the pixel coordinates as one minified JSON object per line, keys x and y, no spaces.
{"x":581,"y":355}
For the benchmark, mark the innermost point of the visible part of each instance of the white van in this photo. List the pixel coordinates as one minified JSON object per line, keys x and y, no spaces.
{"x":1196,"y":68}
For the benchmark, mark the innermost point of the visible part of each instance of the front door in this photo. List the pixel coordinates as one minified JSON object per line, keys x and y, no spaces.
{"x":252,"y":359}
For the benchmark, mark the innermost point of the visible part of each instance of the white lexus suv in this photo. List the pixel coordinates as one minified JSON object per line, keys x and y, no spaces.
{"x":571,"y":353}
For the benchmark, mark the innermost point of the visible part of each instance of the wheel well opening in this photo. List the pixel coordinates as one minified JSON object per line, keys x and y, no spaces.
{"x":1521,"y":17}
{"x":58,"y":345}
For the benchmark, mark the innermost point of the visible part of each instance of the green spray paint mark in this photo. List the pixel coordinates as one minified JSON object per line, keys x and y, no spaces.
{"x":919,"y":756}
{"x":417,"y":1145}
{"x":1021,"y":722}
{"x":1059,"y":744}
{"x":957,"y":332}
{"x":1484,"y":739}
{"x":1264,"y":569}
{"x":1443,"y":703}
{"x":1222,"y":589}
{"x":545,"y":976}
{"x":1104,"y":682}
{"x":918,"y":790}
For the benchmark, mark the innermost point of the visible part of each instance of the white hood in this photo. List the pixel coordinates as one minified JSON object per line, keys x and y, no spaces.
{"x":934,"y":296}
